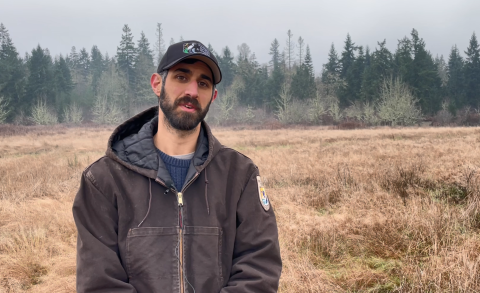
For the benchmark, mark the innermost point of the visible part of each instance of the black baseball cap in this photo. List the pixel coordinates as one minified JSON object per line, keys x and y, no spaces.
{"x":190,"y":50}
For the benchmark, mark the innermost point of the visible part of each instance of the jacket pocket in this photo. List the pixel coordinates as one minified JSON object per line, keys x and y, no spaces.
{"x":150,"y":260}
{"x":203,"y":246}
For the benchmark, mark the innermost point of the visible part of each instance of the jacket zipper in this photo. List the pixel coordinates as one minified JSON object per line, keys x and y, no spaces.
{"x":180,"y":239}
{"x":181,"y":228}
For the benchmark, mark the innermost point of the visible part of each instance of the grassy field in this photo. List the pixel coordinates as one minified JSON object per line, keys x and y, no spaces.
{"x":377,"y":210}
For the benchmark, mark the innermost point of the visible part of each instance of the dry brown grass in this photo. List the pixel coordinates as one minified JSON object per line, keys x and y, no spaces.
{"x":382,"y":210}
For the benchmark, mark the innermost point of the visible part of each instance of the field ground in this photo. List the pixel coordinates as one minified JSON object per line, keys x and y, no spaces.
{"x":373,"y":210}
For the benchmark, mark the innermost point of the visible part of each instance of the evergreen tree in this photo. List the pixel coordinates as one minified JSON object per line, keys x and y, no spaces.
{"x":276,"y":78}
{"x":368,"y":58}
{"x":97,"y":67}
{"x":303,"y":82}
{"x":84,"y":64}
{"x":210,"y":48}
{"x":404,"y":59}
{"x":251,"y":89}
{"x":40,"y":84}
{"x":425,"y":80}
{"x":80,"y":65}
{"x":355,"y":76}
{"x":309,"y":63}
{"x":3,"y":33}
{"x":383,"y":60}
{"x":301,"y":46}
{"x":347,"y":94}
{"x":441,"y":69}
{"x":289,"y":50}
{"x":275,"y":53}
{"x":333,"y":65}
{"x":62,"y":76}
{"x":379,"y":67}
{"x":331,"y":71}
{"x":108,"y":60}
{"x":12,"y":81}
{"x":283,"y":62}
{"x":348,"y":56}
{"x":63,"y":83}
{"x":159,"y":44}
{"x":143,"y":47}
{"x":227,"y":66}
{"x":73,"y":63}
{"x":472,"y":72}
{"x":456,"y":79}
{"x":442,"y":72}
{"x":126,"y":55}
{"x":144,"y":68}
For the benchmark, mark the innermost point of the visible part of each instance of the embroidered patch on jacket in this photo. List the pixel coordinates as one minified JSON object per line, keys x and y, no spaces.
{"x":262,"y":195}
{"x":192,"y":48}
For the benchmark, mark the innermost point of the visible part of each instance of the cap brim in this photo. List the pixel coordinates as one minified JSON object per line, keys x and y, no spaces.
{"x":217,"y":74}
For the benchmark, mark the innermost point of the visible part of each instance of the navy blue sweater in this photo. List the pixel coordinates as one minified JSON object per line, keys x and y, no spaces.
{"x":177,"y":168}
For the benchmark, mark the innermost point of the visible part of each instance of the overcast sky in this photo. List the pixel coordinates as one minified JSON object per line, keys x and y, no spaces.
{"x":60,"y":24}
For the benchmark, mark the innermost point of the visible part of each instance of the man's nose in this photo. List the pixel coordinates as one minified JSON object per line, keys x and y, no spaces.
{"x":192,"y":89}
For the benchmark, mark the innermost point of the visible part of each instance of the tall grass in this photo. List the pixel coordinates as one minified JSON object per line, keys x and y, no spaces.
{"x":384,"y":210}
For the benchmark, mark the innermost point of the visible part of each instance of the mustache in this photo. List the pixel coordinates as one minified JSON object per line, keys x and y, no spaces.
{"x":187,"y":99}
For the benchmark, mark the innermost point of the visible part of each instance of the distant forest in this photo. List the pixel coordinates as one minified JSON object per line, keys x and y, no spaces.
{"x":362,"y":85}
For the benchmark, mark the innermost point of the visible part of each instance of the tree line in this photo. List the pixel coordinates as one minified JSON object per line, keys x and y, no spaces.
{"x":371,"y":86}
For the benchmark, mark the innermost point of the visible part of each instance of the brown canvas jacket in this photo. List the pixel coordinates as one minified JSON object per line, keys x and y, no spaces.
{"x":135,"y":236}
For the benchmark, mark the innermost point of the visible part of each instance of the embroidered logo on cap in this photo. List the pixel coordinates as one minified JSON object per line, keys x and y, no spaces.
{"x":262,"y":195}
{"x":195,"y":48}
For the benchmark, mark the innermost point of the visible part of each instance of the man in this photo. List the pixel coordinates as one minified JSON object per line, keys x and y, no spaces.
{"x":170,"y":209}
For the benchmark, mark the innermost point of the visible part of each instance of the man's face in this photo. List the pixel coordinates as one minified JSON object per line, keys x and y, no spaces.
{"x":187,"y":94}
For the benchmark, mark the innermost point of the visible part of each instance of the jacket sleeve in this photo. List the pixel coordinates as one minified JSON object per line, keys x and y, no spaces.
{"x":99,"y":268}
{"x":256,"y":263}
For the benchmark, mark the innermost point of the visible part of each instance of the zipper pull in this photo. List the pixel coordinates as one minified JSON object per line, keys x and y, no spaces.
{"x":180,"y":199}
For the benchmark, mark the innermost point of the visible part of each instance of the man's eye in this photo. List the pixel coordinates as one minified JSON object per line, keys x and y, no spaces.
{"x":181,"y":77}
{"x":203,"y":84}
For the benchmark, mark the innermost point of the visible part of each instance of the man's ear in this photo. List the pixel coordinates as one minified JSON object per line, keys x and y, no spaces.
{"x":214,"y":95}
{"x":156,"y":82}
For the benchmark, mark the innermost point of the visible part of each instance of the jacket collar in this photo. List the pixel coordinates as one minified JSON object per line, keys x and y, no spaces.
{"x":131,"y":144}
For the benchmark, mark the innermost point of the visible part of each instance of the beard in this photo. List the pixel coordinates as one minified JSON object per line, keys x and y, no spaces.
{"x":178,"y":119}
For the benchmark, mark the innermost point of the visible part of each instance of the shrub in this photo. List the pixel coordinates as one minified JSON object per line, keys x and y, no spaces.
{"x":462,"y":115}
{"x":397,"y":105}
{"x":225,"y":105}
{"x":21,"y":119}
{"x":3,"y":109}
{"x":224,"y":110}
{"x":284,"y":102}
{"x":355,"y":111}
{"x":73,"y":114}
{"x":369,"y":116}
{"x":290,"y":111}
{"x":363,"y":114}
{"x":245,"y":115}
{"x":443,"y":117}
{"x":335,"y":111}
{"x":112,"y":100}
{"x":42,"y":115}
{"x":352,"y":124}
{"x":473,"y":119}
{"x":318,"y":109}
{"x":105,"y":112}
{"x":468,"y":116}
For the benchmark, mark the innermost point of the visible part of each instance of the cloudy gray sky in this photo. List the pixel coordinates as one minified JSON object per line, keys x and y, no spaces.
{"x":61,"y":24}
